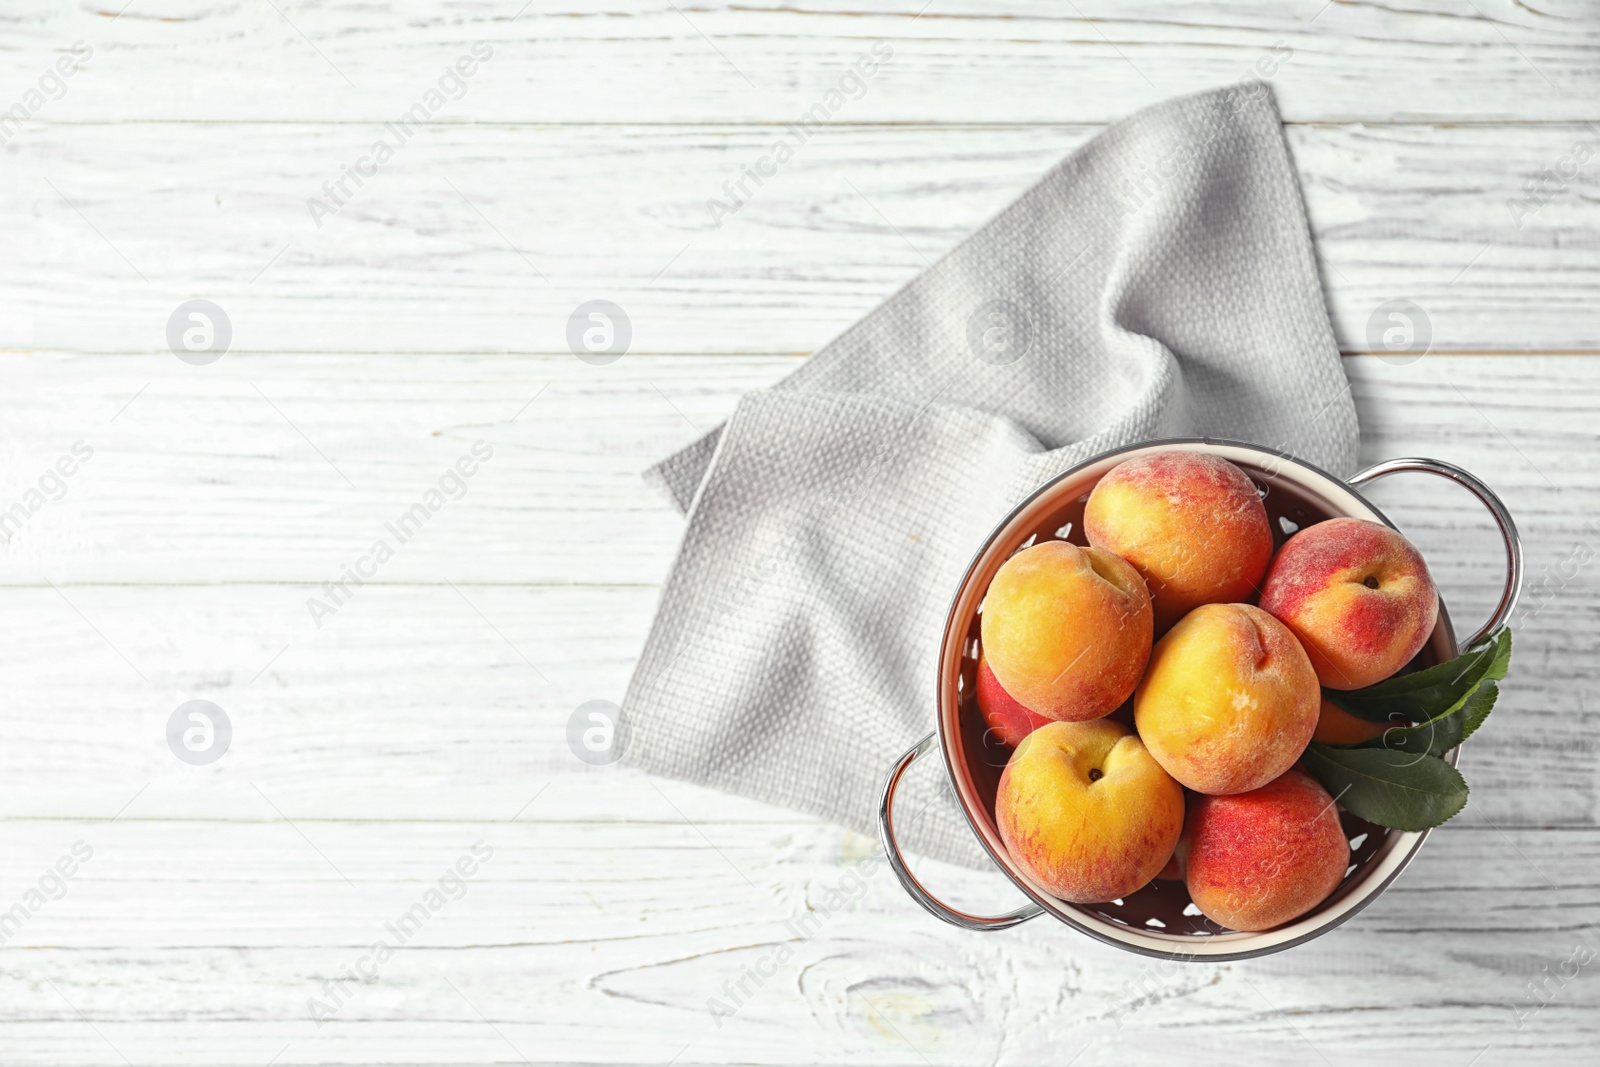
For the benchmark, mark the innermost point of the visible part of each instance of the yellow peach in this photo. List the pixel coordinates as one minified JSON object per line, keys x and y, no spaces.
{"x":1230,"y":699}
{"x":1335,"y":726}
{"x":1066,"y":630}
{"x":1085,"y":812}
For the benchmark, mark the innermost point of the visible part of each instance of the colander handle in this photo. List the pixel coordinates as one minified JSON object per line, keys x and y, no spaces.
{"x":1502,"y":518}
{"x":909,"y":881}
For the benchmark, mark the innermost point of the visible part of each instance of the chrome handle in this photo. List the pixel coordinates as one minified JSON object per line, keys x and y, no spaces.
{"x":1502,"y":518}
{"x":909,"y":881}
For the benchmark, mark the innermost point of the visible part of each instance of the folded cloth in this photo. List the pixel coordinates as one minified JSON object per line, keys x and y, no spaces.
{"x":1158,"y":282}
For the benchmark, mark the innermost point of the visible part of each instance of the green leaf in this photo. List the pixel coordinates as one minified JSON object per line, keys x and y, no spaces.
{"x":1431,"y":692}
{"x":1395,"y":789}
{"x":1444,"y":732}
{"x":1473,"y":717}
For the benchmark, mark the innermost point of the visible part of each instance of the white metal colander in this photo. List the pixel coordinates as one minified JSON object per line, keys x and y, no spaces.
{"x":1159,"y":920}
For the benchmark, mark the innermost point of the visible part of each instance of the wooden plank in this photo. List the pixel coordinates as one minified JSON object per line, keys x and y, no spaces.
{"x":604,"y":942}
{"x":261,"y":447}
{"x":236,"y":472}
{"x":438,"y":702}
{"x":445,"y":250}
{"x":1018,"y":60}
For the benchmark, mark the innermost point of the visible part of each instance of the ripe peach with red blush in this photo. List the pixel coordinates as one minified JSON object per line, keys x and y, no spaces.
{"x":1260,"y":859}
{"x":1357,"y":595}
{"x":1009,"y":720}
{"x":1192,"y":525}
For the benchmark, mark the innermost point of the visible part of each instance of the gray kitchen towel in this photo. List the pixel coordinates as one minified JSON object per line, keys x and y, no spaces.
{"x":1158,"y":282}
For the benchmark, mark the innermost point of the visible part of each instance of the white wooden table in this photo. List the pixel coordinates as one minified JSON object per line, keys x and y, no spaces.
{"x":214,"y":911}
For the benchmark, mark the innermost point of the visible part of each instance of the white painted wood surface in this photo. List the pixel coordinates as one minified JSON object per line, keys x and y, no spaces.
{"x":445,"y":250}
{"x":430,"y":712}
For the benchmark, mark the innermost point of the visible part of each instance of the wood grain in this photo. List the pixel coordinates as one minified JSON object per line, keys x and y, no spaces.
{"x":608,"y":940}
{"x":443,"y":250}
{"x":1017,"y":60}
{"x":459,"y":663}
{"x":261,"y":446}
{"x":412,"y":705}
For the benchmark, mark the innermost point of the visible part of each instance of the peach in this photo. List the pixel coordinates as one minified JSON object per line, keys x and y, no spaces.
{"x":1230,"y":699}
{"x":1066,"y":630}
{"x":1191,"y":524}
{"x":1358,"y":597}
{"x":1335,"y":726}
{"x":1008,"y":720}
{"x":1259,"y":859}
{"x":1085,"y":812}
